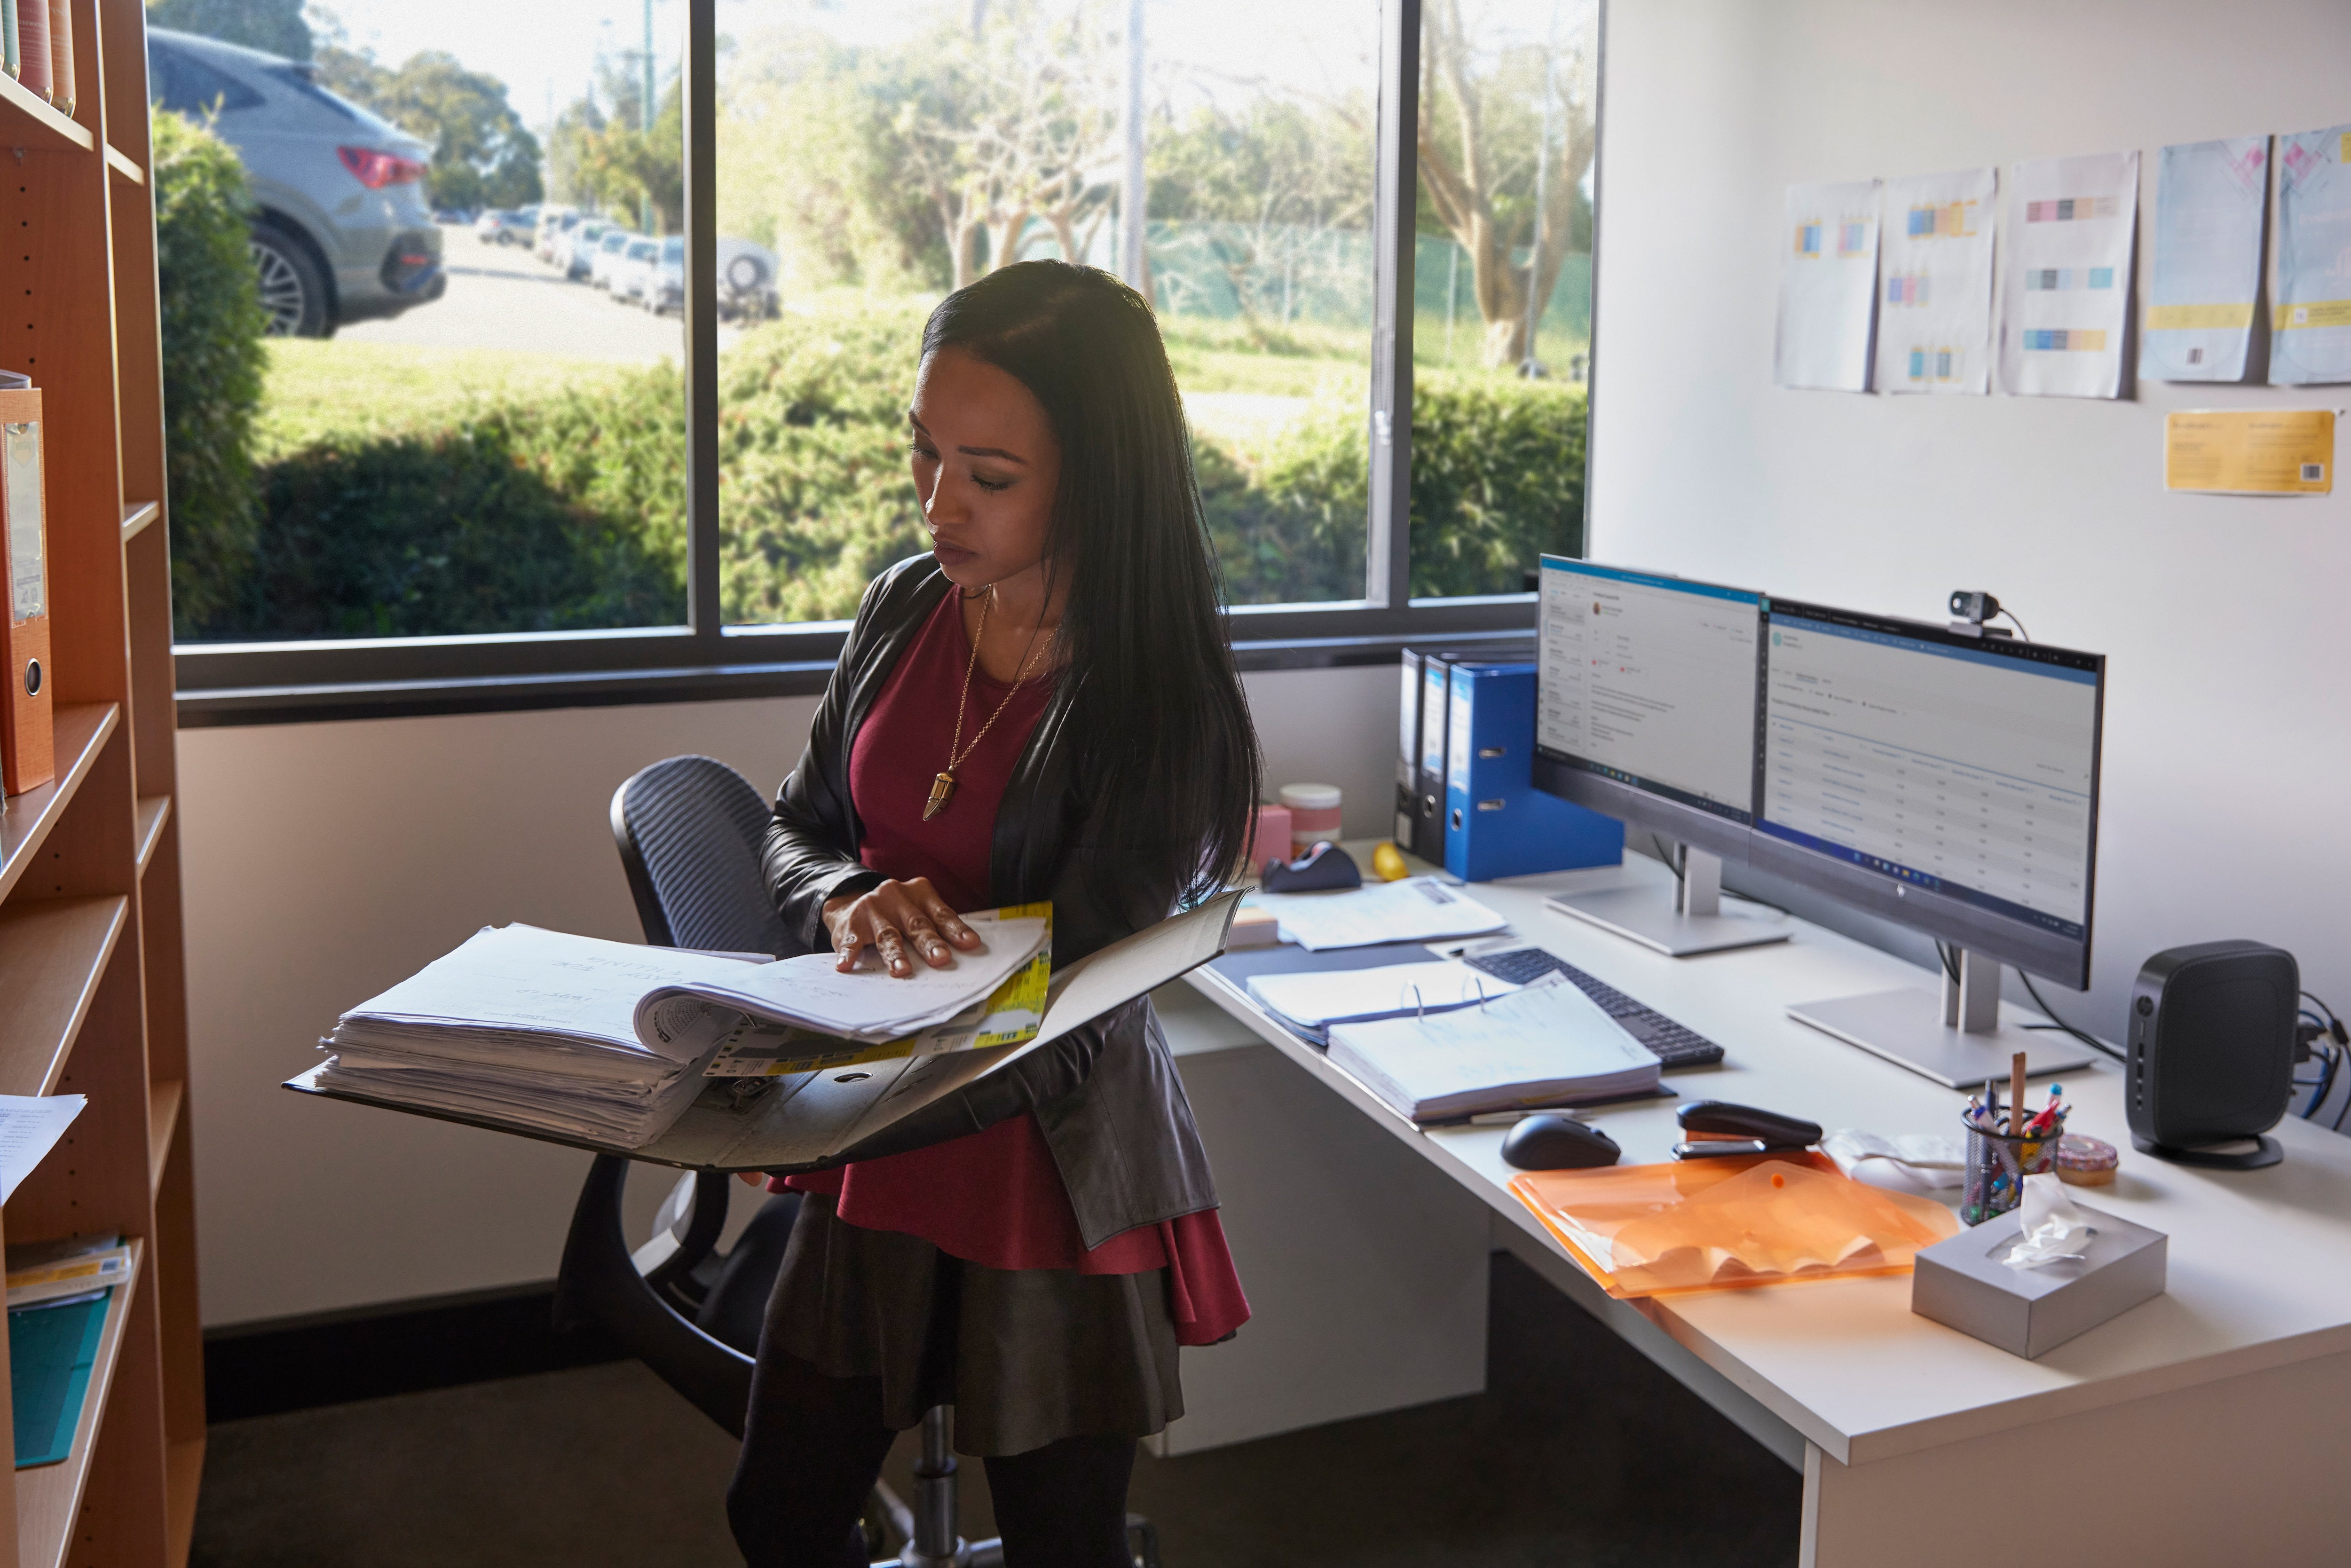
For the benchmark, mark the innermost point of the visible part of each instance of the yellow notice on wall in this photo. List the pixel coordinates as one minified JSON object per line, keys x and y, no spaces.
{"x":2268,"y":451}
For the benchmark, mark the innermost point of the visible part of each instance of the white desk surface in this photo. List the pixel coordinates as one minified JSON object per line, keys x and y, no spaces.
{"x":2260,"y":1262}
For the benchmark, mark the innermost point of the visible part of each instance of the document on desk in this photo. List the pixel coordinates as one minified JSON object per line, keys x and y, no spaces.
{"x":1418,"y":909}
{"x":30,"y":1126}
{"x":1547,"y":1044}
{"x":1316,"y":999}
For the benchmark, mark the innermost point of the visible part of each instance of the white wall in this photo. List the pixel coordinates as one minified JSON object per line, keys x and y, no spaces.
{"x":324,"y":862}
{"x":2229,"y":711}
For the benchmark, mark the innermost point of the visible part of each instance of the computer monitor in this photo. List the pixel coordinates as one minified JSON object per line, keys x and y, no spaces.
{"x":1946,"y":780}
{"x":1645,"y":711}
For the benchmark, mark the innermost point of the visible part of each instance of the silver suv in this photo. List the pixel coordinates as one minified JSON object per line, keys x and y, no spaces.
{"x":340,"y":230}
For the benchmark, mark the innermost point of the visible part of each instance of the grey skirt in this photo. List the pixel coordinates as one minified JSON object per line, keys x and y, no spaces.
{"x":1026,"y":1356}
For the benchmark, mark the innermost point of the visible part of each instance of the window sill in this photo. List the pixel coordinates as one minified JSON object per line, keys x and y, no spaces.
{"x":295,"y":684}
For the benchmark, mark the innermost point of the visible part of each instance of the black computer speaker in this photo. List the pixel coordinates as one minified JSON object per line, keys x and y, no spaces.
{"x":2211,"y":1052}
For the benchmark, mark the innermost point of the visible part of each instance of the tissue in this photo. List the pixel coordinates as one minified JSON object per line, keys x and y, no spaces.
{"x":2053,"y":1229}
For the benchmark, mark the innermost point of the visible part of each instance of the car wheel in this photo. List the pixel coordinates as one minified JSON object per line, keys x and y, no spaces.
{"x":293,"y":289}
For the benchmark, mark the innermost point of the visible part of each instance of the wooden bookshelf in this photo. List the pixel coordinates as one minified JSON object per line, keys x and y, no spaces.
{"x":92,"y":978}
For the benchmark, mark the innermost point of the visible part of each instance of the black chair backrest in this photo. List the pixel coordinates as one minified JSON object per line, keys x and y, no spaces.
{"x":690,"y":831}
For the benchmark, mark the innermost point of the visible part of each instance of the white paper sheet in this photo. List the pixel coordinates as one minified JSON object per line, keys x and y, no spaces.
{"x":2206,"y":272}
{"x":1828,"y":281}
{"x":1934,"y":270}
{"x":30,"y":1126}
{"x":1418,"y":909}
{"x":1324,"y":996}
{"x":2310,"y":342}
{"x":868,"y":999}
{"x":2071,"y":222}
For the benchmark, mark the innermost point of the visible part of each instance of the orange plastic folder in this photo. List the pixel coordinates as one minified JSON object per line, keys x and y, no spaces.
{"x":1730,"y":1224}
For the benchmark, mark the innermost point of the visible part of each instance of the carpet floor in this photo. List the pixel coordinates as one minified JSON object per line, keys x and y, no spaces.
{"x":1580,"y":1452}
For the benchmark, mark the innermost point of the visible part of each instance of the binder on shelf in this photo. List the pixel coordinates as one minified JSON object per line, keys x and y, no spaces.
{"x":1407,"y":790}
{"x":1436,"y":705}
{"x":10,"y":59}
{"x":33,"y":59}
{"x":28,"y":744}
{"x":61,"y":53}
{"x":1497,"y":823}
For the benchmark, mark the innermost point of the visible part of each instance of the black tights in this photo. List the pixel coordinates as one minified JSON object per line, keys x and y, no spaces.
{"x":813,"y":1445}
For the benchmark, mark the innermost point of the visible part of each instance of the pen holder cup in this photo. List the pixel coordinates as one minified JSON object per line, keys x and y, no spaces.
{"x":1997,"y":1167}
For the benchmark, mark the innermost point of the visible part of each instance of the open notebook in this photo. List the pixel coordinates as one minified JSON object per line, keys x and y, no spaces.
{"x":708,"y":1096}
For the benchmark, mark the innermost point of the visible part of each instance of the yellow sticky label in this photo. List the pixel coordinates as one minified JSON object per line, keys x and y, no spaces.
{"x":2192,"y":317}
{"x":2269,"y":451}
{"x":2342,"y":148}
{"x":2313,"y":313}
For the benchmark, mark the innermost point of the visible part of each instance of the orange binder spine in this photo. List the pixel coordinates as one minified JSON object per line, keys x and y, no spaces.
{"x":27,"y":741}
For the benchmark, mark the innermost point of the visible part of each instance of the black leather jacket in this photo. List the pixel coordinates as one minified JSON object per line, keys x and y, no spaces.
{"x":1107,"y":1096}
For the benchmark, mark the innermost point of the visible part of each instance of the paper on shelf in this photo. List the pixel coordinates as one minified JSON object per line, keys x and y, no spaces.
{"x":30,"y":1126}
{"x":1828,"y":278}
{"x":1418,"y":909}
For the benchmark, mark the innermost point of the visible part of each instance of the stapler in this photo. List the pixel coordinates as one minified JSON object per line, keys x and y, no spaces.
{"x":1322,"y":869}
{"x":1715,"y":1128}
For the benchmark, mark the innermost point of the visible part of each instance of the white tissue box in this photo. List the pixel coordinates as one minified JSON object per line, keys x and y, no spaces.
{"x":1962,"y":1282}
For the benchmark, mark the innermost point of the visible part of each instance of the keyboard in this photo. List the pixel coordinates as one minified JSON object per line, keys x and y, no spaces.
{"x":1668,"y":1040}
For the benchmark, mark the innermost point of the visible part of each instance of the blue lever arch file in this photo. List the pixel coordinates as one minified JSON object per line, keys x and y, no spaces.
{"x":1497,"y":823}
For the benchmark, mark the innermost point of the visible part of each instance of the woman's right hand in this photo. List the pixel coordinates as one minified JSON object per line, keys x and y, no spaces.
{"x":892,"y":917}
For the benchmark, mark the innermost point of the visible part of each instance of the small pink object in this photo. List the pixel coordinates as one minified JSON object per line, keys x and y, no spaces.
{"x":1313,"y":814}
{"x":1269,"y":838}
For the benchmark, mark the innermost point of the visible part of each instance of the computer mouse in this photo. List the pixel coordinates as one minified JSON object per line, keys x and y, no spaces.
{"x":1558,"y":1143}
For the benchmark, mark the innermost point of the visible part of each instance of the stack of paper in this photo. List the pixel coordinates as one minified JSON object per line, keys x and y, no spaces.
{"x":583,"y":1038}
{"x":1418,"y":909}
{"x":1312,"y":1002}
{"x":1549,"y":1044}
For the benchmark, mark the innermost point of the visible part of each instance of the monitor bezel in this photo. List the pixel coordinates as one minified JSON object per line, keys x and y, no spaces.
{"x":2032,"y":948}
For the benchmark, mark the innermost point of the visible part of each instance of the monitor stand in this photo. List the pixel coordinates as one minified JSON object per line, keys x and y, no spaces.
{"x":1692,"y":921}
{"x":1973,"y":1039}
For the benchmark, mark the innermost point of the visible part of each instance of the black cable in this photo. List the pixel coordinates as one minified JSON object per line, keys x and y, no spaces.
{"x":1950,"y":965}
{"x":2020,"y":632}
{"x":1673,"y":865}
{"x":2091,"y":1041}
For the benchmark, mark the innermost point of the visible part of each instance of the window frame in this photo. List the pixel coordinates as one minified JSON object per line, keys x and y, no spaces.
{"x":705,"y":660}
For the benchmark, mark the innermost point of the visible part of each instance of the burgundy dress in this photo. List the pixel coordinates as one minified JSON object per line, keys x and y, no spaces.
{"x":956,"y":1272}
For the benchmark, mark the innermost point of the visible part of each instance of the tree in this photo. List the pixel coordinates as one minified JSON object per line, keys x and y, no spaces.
{"x":610,"y":161}
{"x":482,"y":154}
{"x":1496,"y":124}
{"x":274,"y":25}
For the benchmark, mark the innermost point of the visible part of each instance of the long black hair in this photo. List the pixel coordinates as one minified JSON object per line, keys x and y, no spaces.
{"x":1165,"y":751}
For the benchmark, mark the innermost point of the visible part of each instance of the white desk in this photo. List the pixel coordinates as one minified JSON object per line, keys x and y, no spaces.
{"x":2207,"y":1425}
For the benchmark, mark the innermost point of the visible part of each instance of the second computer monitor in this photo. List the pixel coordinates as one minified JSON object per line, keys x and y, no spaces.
{"x":1646,"y":708}
{"x":1948,"y":781}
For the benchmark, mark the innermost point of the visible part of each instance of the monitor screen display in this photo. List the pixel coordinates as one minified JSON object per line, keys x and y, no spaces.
{"x":1958,"y":766}
{"x":1650,"y":680}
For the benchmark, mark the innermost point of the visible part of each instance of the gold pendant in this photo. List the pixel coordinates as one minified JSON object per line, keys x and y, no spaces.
{"x":943,"y":789}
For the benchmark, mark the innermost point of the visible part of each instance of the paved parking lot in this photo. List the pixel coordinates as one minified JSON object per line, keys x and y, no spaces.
{"x":502,"y":297}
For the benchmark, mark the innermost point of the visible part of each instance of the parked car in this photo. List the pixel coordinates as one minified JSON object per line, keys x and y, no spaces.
{"x":747,"y":281}
{"x":554,"y":225}
{"x":606,"y":255}
{"x":499,"y":226}
{"x":579,"y":248}
{"x":340,"y":229}
{"x":664,"y":285}
{"x":634,"y":270}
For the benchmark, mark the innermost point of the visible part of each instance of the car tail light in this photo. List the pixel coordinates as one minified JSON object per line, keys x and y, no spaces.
{"x":376,"y":170}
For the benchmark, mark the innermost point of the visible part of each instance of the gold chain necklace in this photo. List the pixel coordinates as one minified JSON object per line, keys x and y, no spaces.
{"x":943,"y":788}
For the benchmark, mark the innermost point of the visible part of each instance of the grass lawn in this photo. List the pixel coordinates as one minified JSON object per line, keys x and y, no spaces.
{"x":316,"y":389}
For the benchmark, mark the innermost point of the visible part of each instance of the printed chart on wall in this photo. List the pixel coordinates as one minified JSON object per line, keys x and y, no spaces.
{"x":2312,"y":332}
{"x":1935,"y":250}
{"x":2070,"y":223}
{"x":2209,"y":200}
{"x":1828,"y":275}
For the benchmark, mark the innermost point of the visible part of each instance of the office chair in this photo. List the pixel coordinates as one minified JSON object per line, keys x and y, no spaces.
{"x":689,"y":830}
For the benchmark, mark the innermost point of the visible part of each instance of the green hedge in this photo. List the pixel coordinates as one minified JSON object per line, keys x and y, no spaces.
{"x":213,"y":361}
{"x":571,"y":514}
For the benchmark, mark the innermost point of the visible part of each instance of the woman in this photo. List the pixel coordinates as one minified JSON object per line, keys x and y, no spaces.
{"x":1044,"y":708}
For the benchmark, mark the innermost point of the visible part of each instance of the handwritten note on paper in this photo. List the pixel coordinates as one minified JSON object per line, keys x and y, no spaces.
{"x":2264,"y":452}
{"x":30,"y":1126}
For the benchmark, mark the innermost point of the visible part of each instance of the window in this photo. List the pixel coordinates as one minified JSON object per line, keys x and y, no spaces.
{"x":614,"y":401}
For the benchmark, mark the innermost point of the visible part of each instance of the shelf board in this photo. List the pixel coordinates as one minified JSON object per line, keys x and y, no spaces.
{"x":164,"y":1102}
{"x":53,"y":952}
{"x":152,"y":813}
{"x":81,"y":729}
{"x":26,"y":122}
{"x":183,"y":1472}
{"x":48,"y":1497}
{"x":137,"y":515}
{"x":121,"y":165}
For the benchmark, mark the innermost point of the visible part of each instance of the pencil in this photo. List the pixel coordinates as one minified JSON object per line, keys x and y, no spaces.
{"x":2016,"y":1094}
